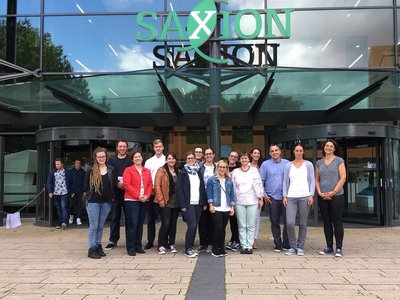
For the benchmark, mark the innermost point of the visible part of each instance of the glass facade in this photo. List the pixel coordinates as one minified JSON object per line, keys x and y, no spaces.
{"x":80,"y":63}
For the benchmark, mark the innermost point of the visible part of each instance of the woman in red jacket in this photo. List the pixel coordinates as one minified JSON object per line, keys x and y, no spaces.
{"x":138,"y":186}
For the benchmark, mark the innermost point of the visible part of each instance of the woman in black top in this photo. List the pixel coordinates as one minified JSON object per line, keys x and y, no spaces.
{"x":99,"y":184}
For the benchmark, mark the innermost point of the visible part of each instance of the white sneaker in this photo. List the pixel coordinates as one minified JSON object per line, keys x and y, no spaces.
{"x":78,"y":221}
{"x":71,"y":219}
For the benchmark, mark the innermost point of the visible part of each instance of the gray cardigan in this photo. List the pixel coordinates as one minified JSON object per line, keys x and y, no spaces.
{"x":310,"y":178}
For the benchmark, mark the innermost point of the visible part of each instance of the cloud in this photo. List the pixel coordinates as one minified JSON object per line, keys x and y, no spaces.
{"x":240,"y":4}
{"x":122,"y":4}
{"x":134,"y":58}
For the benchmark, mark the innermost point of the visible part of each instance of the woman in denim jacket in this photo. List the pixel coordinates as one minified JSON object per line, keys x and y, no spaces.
{"x":222,"y":205}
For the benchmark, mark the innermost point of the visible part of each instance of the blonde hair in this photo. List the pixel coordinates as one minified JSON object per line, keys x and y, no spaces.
{"x":96,"y":182}
{"x":227,"y":174}
{"x":157,"y":141}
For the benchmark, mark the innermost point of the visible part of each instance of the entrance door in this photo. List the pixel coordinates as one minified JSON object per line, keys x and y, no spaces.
{"x":363,"y":185}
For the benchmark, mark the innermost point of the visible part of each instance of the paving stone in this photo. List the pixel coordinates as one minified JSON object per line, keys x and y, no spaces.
{"x":61,"y":270}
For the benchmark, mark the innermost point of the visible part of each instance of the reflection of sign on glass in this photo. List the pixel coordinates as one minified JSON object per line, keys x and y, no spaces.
{"x":371,"y":165}
{"x":253,"y":54}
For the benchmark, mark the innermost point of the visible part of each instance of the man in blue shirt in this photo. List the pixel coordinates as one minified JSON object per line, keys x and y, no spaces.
{"x":271,"y":172}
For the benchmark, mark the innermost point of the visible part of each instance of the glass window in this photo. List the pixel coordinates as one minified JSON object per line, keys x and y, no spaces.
{"x":2,"y":38}
{"x":98,"y":6}
{"x":396,"y":178}
{"x":23,"y":7}
{"x":325,"y":3}
{"x":242,"y":135}
{"x":388,"y":95}
{"x":20,"y":168}
{"x":196,"y":136}
{"x":27,"y":42}
{"x":180,"y":6}
{"x":317,"y":40}
{"x":99,"y":43}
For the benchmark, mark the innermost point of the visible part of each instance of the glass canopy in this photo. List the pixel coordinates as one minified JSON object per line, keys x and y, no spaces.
{"x":278,"y":90}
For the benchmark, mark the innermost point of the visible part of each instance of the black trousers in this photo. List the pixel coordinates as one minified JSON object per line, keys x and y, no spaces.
{"x":151,"y":220}
{"x":332,"y":213}
{"x":276,"y":211}
{"x":234,"y":229}
{"x":220,"y":220}
{"x":115,"y":224}
{"x":206,"y":228}
{"x":75,"y":205}
{"x":167,"y":232}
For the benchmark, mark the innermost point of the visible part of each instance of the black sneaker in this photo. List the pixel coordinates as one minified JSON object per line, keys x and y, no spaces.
{"x":148,"y":246}
{"x":100,"y":250}
{"x":244,"y":251}
{"x":223,"y":252}
{"x":131,"y":253}
{"x":201,"y":248}
{"x":110,"y":246}
{"x":277,"y":249}
{"x":216,"y":253}
{"x":93,"y":253}
{"x":140,"y":250}
{"x":229,"y":245}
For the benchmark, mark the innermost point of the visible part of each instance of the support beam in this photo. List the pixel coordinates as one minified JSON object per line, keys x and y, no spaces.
{"x":173,"y":105}
{"x":263,"y":95}
{"x":334,"y":112}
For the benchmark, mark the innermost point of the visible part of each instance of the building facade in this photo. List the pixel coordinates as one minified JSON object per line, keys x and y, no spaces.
{"x":265,"y":71}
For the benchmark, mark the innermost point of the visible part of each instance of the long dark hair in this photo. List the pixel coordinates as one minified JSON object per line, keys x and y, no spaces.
{"x":260,"y":159}
{"x":176,"y":163}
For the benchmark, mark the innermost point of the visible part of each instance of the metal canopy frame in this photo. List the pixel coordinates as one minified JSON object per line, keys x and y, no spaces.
{"x":263,"y":95}
{"x":23,"y":72}
{"x":88,"y":109}
{"x":334,"y":112}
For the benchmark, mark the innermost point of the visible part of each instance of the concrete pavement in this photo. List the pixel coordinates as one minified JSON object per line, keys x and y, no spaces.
{"x":45,"y":263}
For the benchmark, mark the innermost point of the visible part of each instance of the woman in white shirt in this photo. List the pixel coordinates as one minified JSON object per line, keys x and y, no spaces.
{"x":249,"y":197}
{"x":298,"y":196}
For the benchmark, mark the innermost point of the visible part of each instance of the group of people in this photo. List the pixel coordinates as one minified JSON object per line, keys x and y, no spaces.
{"x":210,"y":194}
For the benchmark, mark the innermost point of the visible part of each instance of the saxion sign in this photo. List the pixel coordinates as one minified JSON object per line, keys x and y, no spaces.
{"x":202,"y":21}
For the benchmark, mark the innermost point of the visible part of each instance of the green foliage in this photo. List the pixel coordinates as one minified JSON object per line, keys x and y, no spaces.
{"x":28,"y":48}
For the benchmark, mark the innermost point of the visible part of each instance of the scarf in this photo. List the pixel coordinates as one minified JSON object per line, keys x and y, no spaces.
{"x":192,"y":170}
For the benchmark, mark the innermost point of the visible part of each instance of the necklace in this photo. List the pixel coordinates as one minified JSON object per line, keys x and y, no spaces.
{"x":245,"y":170}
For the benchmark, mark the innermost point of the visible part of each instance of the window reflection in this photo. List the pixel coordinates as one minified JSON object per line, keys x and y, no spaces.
{"x":99,"y":6}
{"x":23,"y":7}
{"x":317,"y":41}
{"x":326,"y":3}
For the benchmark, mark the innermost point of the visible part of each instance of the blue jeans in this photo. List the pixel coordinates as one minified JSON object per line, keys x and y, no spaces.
{"x":62,"y":205}
{"x":246,"y":216}
{"x":97,"y":213}
{"x":135,"y":213}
